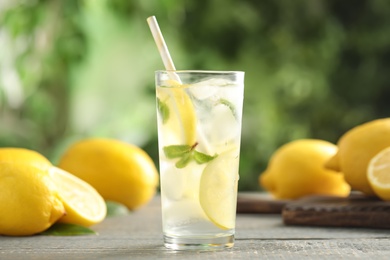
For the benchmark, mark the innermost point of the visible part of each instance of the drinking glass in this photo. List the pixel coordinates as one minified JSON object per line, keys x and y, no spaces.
{"x":199,"y":130}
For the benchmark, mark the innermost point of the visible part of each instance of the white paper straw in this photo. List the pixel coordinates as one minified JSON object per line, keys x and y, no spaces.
{"x":162,"y":47}
{"x":169,"y":66}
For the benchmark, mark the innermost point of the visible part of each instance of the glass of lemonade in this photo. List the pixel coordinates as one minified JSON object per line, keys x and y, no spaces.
{"x":199,"y":131}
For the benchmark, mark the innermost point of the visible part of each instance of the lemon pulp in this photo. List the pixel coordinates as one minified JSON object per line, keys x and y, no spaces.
{"x":379,"y":174}
{"x":83,"y":204}
{"x":218,"y":189}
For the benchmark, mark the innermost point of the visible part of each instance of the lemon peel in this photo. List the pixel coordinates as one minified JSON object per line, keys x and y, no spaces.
{"x":119,"y":171}
{"x":22,"y":155}
{"x":29,"y":203}
{"x":355,"y":150}
{"x":297,"y":169}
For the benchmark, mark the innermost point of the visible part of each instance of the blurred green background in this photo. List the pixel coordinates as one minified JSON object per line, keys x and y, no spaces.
{"x":75,"y":69}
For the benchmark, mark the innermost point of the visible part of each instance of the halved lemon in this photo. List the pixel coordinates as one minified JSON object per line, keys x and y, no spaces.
{"x":182,"y":117}
{"x":218,"y":189}
{"x":83,"y":204}
{"x":378,"y":174}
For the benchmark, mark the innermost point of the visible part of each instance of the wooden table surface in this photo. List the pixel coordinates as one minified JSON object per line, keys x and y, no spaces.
{"x":259,"y":236}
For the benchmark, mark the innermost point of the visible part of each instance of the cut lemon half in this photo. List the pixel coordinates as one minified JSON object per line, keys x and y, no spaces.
{"x":378,"y":174}
{"x":218,"y":189}
{"x":83,"y":204}
{"x":181,"y":116}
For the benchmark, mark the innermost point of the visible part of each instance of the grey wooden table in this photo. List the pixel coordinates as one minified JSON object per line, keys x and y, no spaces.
{"x":138,"y":236}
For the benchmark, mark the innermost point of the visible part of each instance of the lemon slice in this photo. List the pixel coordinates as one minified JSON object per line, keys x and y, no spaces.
{"x":218,"y":189}
{"x":83,"y":204}
{"x":378,"y":174}
{"x":182,"y":117}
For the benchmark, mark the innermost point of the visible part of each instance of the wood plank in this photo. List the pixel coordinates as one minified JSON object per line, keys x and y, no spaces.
{"x":139,"y":236}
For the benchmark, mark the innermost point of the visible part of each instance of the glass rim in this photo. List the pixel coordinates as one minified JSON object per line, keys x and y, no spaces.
{"x":201,"y":71}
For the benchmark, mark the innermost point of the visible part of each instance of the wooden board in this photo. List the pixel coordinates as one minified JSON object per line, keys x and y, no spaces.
{"x":259,"y":203}
{"x":356,"y":210}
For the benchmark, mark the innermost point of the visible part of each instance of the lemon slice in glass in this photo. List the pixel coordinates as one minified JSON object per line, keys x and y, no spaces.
{"x":181,"y":117}
{"x":83,"y":204}
{"x":378,"y":174}
{"x":218,"y":189}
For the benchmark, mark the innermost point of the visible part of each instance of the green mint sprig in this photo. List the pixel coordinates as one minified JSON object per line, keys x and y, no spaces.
{"x":186,"y":153}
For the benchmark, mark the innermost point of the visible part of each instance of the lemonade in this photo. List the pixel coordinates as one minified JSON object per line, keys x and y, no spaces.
{"x":199,"y":130}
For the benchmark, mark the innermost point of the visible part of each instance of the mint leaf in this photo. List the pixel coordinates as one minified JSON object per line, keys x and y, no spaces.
{"x":186,"y":153}
{"x":202,"y":157}
{"x":229,"y":105}
{"x":176,"y":151}
{"x":185,"y":159}
{"x":163,"y":110}
{"x":62,"y":229}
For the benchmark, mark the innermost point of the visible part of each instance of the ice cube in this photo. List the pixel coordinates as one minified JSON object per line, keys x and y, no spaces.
{"x":223,"y":128}
{"x":173,"y":183}
{"x":207,"y":88}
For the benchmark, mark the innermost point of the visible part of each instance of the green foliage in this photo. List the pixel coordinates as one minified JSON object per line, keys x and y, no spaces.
{"x":42,"y":41}
{"x":314,"y":68}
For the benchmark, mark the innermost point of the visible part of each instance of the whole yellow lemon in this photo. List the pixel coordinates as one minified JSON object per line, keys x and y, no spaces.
{"x":355,"y":150}
{"x":297,"y":169}
{"x":29,"y":203}
{"x":22,"y":155}
{"x":119,"y":171}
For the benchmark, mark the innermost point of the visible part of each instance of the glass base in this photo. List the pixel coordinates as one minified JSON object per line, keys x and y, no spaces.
{"x":198,"y":243}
